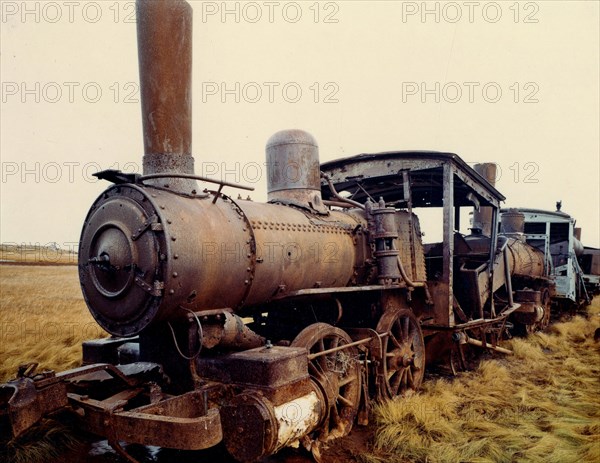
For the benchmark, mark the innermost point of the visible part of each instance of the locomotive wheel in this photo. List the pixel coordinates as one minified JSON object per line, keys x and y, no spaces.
{"x":403,"y":364}
{"x":527,"y":329}
{"x":546,"y":303}
{"x":337,"y":374}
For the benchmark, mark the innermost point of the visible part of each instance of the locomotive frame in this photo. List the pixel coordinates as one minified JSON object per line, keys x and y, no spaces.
{"x":267,"y":325}
{"x":321,"y":353}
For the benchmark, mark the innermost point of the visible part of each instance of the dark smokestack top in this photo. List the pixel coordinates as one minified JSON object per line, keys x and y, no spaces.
{"x":164,"y":30}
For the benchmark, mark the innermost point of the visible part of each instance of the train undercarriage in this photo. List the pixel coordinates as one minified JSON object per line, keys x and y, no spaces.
{"x":276,"y":324}
{"x":304,"y":367}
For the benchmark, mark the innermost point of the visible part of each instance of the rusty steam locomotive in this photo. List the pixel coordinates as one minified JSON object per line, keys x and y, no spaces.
{"x":266,"y":325}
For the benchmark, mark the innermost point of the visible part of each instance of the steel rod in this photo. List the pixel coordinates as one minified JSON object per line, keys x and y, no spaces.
{"x":345,"y":346}
{"x":478,"y":343}
{"x":194,"y":177}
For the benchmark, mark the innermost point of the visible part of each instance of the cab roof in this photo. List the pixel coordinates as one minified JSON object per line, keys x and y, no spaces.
{"x":380,"y":175}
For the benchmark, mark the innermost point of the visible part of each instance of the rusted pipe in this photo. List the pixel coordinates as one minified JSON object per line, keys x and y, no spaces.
{"x":330,"y":203}
{"x":403,"y":274}
{"x":476,"y":342}
{"x":194,"y":177}
{"x":338,"y":196}
{"x":339,"y":348}
{"x":164,"y":31}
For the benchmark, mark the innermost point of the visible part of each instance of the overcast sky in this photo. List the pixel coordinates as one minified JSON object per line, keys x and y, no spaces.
{"x":510,"y":82}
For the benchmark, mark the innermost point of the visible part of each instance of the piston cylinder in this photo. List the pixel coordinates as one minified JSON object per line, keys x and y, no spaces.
{"x":254,"y":427}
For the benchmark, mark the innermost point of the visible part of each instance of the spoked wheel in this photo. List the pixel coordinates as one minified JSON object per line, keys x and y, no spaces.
{"x":403,"y":364}
{"x":546,"y":304}
{"x":337,"y":374}
{"x":530,"y":328}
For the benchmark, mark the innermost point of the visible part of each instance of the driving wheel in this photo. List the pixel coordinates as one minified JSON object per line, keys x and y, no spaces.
{"x":337,"y":373}
{"x":402,"y":365}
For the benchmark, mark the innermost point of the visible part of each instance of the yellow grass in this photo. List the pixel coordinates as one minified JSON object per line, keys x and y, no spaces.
{"x":43,"y":318}
{"x":541,"y":405}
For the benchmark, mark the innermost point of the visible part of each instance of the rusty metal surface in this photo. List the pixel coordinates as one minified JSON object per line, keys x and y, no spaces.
{"x":525,"y":259}
{"x":154,"y":252}
{"x":250,"y":427}
{"x":278,"y":403}
{"x":255,"y":428}
{"x":121,"y":269}
{"x":165,"y":61}
{"x":379,"y":175}
{"x":383,"y":234}
{"x":268,"y":367}
{"x":412,"y":256}
{"x":337,"y":374}
{"x":402,"y":363}
{"x":293,"y":170}
{"x":31,"y":396}
{"x":511,"y":258}
{"x":297,"y":250}
{"x":181,"y":422}
{"x":512,"y":221}
{"x":535,"y":311}
{"x":180,"y":267}
{"x":444,"y":303}
{"x":22,"y":404}
{"x":227,"y":331}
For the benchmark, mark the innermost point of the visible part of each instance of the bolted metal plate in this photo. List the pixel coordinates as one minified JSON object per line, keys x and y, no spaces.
{"x":249,"y":427}
{"x":119,"y":261}
{"x":112,"y":243}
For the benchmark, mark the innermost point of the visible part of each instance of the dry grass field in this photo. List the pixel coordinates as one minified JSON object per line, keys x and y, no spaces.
{"x":43,"y":318}
{"x":540,"y":405}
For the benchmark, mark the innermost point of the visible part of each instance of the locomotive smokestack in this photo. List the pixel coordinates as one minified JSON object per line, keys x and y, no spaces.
{"x":513,"y":224}
{"x":164,"y":29}
{"x":482,"y":219}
